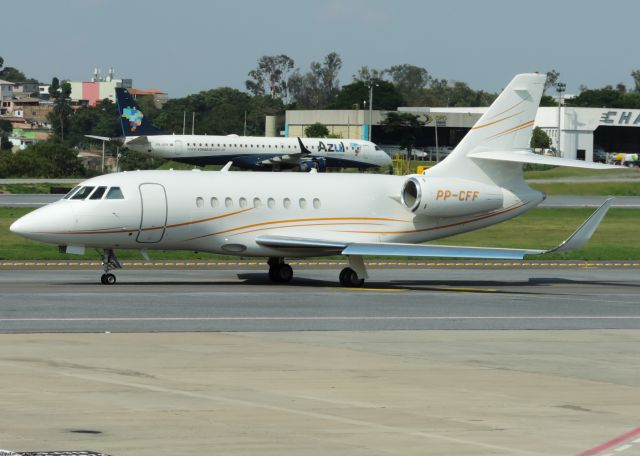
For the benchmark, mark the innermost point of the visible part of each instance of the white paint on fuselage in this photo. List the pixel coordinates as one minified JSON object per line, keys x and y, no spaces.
{"x":348,"y":208}
{"x":218,"y":149}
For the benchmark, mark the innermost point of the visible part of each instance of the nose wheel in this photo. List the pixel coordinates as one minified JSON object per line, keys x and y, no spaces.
{"x":109,"y":262}
{"x":108,"y":279}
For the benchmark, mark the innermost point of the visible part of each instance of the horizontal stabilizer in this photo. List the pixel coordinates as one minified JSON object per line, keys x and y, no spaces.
{"x":526,"y":156}
{"x":573,"y":242}
{"x":105,"y":138}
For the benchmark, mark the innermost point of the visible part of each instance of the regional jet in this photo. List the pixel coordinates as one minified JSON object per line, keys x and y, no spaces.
{"x":246,"y":152}
{"x":279,"y":215}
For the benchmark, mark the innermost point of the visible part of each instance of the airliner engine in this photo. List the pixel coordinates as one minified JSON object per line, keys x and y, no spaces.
{"x":439,"y":197}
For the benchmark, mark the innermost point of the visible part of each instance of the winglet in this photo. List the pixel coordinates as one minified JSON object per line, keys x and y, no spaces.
{"x":303,"y":148}
{"x":586,"y":230}
{"x":226,"y":167}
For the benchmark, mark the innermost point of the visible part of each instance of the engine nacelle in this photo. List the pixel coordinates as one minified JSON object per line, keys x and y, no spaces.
{"x":440,"y":197}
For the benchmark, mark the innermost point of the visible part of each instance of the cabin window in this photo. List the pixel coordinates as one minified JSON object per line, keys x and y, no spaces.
{"x":303,"y":203}
{"x":214,"y":202}
{"x":98,"y":193}
{"x":199,"y":202}
{"x":286,"y":203}
{"x":115,"y":193}
{"x":83,"y":193}
{"x":228,"y":202}
{"x":316,"y":203}
{"x":73,"y":190}
{"x":271,"y":203}
{"x":257,"y":202}
{"x":242,"y":202}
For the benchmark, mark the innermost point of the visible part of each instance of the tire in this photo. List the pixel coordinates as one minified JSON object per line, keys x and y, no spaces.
{"x":349,"y":278}
{"x":109,"y":279}
{"x":285,"y":273}
{"x":103,"y":280}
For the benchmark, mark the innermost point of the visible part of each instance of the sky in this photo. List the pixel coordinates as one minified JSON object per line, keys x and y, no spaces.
{"x":186,"y":46}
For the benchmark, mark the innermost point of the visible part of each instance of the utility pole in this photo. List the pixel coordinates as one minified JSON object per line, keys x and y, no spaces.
{"x":560,"y":87}
{"x":193,"y":123}
{"x":184,"y":121}
{"x":371,"y":84}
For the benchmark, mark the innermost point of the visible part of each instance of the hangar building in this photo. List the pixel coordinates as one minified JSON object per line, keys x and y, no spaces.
{"x":581,"y":129}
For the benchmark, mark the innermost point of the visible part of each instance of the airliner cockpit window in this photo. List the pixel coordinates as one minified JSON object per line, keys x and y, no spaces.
{"x":98,"y":193}
{"x":115,"y":193}
{"x":82,"y":193}
{"x":73,"y":190}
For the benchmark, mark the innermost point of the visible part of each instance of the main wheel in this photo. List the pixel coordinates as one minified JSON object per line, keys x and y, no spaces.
{"x":349,"y":278}
{"x":109,"y":279}
{"x":281,"y":273}
{"x":102,"y":279}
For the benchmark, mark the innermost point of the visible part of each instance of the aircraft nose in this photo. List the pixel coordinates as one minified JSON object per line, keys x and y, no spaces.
{"x":34,"y":224}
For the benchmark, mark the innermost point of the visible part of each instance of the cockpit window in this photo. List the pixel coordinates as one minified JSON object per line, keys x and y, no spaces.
{"x":98,"y":193}
{"x":82,"y":193}
{"x":73,"y":190}
{"x":115,"y":194}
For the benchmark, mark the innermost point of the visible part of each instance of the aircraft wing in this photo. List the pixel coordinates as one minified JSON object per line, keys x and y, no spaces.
{"x":288,"y":158}
{"x":573,"y":242}
{"x":138,"y":141}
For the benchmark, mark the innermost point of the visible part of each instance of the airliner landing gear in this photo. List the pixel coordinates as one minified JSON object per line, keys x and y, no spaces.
{"x":109,"y":262}
{"x":349,"y":278}
{"x":279,"y":271}
{"x":354,"y":275}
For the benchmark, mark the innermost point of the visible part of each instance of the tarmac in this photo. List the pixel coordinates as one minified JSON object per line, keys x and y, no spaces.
{"x":503,"y":360}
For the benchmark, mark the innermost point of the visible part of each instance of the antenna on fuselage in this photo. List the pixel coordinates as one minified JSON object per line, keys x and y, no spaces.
{"x":226,"y":167}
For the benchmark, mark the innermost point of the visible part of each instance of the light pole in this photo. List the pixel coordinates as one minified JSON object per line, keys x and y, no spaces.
{"x":371,"y":84}
{"x":560,"y":87}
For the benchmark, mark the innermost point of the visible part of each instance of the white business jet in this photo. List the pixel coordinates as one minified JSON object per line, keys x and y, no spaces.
{"x":278,"y":215}
{"x":246,"y":152}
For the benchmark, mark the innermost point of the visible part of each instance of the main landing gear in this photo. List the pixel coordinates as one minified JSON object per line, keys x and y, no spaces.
{"x":109,"y":262}
{"x":352,"y":277}
{"x":279,"y":271}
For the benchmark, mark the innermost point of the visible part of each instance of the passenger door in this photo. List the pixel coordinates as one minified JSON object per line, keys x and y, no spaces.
{"x":154,"y":213}
{"x":178,"y":147}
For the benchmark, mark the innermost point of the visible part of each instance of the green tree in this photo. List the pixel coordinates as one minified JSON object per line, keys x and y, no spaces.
{"x":402,"y":125}
{"x":539,"y":139}
{"x":12,"y":74}
{"x":635,"y":74}
{"x":364,"y":74}
{"x":316,"y":130}
{"x":270,"y":76}
{"x":410,"y":80}
{"x":5,"y":130}
{"x":385,"y":96}
{"x":319,"y":87}
{"x":551,"y":81}
{"x":132,"y":160}
{"x":59,"y":117}
{"x":47,"y":159}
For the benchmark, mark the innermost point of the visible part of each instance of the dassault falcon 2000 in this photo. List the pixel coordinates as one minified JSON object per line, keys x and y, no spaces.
{"x":278,"y":215}
{"x":246,"y":152}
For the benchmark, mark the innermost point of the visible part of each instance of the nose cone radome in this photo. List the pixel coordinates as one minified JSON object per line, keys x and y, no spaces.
{"x":38,"y":224}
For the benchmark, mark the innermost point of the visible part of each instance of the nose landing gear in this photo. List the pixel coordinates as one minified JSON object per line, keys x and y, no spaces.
{"x":109,"y":262}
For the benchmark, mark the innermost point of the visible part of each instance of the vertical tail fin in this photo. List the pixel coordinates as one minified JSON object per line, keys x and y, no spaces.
{"x":505,"y":126}
{"x":132,"y":119}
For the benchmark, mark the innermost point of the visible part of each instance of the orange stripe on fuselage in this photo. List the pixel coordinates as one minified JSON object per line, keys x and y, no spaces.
{"x":422,"y":230}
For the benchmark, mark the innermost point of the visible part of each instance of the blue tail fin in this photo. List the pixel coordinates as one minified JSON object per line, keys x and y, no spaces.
{"x":132,"y":120}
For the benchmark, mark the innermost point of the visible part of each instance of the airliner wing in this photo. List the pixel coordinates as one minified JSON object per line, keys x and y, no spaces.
{"x":289,"y":158}
{"x":105,"y":138}
{"x":573,"y":242}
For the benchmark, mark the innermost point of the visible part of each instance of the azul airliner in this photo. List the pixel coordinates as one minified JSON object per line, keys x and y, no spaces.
{"x":246,"y":152}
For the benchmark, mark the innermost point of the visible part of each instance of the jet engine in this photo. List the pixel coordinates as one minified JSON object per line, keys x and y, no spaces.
{"x":440,"y":197}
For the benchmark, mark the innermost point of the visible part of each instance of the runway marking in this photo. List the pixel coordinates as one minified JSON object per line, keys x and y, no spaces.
{"x":614,"y":442}
{"x":351,"y":318}
{"x":372,"y":425}
{"x":372,"y":263}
